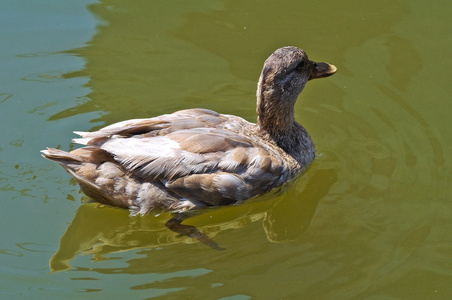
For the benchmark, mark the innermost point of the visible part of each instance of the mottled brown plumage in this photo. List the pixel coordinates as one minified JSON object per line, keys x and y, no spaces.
{"x":195,"y":158}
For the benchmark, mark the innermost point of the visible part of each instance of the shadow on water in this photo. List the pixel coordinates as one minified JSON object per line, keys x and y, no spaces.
{"x":99,"y":232}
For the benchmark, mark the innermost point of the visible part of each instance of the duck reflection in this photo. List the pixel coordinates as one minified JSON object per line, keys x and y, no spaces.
{"x":100,"y":230}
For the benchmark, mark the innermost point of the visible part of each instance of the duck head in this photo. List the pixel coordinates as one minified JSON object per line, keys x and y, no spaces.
{"x":284,"y":75}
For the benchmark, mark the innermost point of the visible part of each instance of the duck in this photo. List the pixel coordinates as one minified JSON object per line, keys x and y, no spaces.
{"x":197,"y":158}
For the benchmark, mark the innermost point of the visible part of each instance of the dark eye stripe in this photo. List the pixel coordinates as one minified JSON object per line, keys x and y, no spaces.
{"x":300,"y":65}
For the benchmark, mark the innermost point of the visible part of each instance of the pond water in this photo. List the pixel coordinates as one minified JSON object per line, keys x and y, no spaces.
{"x":370,"y":219}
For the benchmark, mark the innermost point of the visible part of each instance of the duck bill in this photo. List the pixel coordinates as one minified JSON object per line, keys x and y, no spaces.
{"x":320,"y":70}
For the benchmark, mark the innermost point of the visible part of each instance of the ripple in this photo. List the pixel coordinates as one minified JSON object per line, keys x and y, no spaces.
{"x":11,"y":252}
{"x":17,"y":143}
{"x":41,"y":107}
{"x":37,"y":54}
{"x":44,"y":77}
{"x":434,"y":141}
{"x":34,"y":247}
{"x":4,"y":97}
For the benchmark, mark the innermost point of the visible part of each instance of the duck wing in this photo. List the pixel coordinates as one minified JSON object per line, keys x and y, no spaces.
{"x":192,"y":154}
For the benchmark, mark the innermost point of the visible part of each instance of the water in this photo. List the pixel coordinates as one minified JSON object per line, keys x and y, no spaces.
{"x":369,"y":220}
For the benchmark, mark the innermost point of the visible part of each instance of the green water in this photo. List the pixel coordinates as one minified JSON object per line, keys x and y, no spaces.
{"x":371,"y":219}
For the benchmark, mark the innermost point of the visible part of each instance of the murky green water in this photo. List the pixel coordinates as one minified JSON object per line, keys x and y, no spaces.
{"x":371,"y":219}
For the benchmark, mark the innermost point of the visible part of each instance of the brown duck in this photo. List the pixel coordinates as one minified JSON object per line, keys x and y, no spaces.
{"x":197,"y":158}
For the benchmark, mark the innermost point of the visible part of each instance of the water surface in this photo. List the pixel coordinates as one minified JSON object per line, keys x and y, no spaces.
{"x":369,"y":220}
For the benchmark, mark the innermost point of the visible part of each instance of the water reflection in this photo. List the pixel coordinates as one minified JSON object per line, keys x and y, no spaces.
{"x":247,"y":31}
{"x":381,"y":169}
{"x":98,"y":232}
{"x":291,"y":217}
{"x":150,"y":64}
{"x":434,"y":142}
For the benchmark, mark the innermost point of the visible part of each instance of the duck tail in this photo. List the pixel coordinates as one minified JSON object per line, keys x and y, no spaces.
{"x":60,"y":156}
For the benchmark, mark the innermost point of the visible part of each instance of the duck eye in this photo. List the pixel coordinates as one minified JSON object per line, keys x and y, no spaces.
{"x":300,"y":65}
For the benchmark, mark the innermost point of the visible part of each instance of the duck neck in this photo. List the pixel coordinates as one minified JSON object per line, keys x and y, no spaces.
{"x":278,"y":120}
{"x":275,"y":119}
{"x":275,"y":111}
